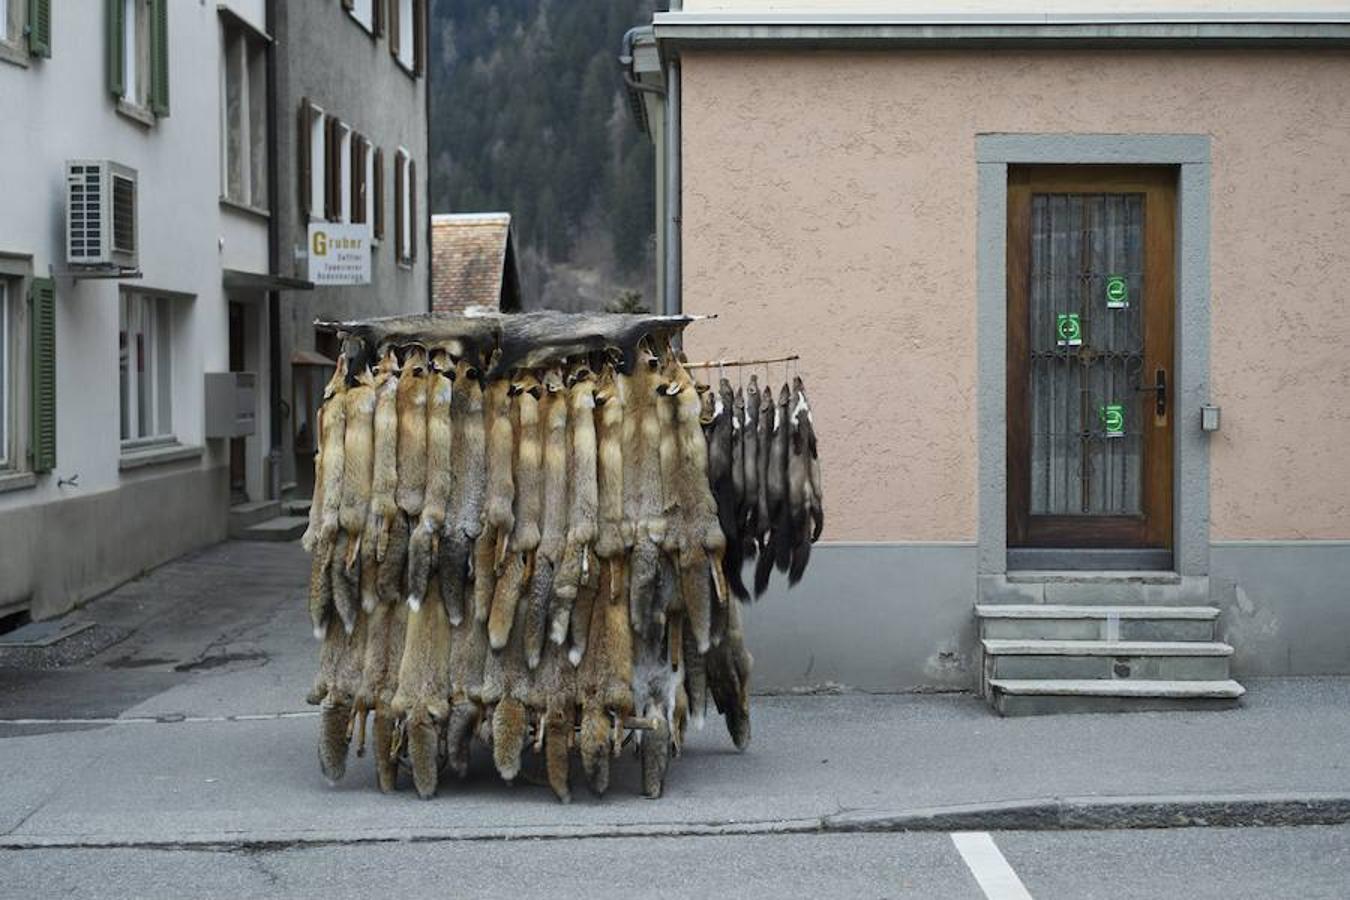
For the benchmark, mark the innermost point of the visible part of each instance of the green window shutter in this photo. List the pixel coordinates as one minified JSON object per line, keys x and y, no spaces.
{"x":159,"y":57}
{"x":116,"y":33}
{"x":42,"y":316}
{"x":40,"y":28}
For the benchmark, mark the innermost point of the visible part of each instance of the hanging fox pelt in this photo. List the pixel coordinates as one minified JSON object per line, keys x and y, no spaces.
{"x":583,"y":499}
{"x":385,"y":631}
{"x":552,"y":532}
{"x":423,"y":542}
{"x":422,"y":702}
{"x":384,"y":479}
{"x":463,"y":521}
{"x":706,"y":543}
{"x":498,"y":514}
{"x":341,"y":659}
{"x":609,"y":542}
{"x":515,"y":570}
{"x":498,"y":519}
{"x":646,"y":388}
{"x":411,"y":401}
{"x":328,"y":478}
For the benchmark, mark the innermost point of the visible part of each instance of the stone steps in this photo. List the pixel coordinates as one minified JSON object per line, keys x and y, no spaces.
{"x":1031,"y":697}
{"x":245,"y":515}
{"x":280,"y":528}
{"x":1101,"y":642}
{"x":1125,"y":623}
{"x":1084,"y":659}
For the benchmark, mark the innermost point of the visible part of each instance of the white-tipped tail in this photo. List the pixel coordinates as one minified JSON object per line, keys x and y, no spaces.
{"x":414,"y":602}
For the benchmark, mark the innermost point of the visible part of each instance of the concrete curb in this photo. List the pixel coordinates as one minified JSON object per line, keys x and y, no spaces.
{"x":1053,"y":814}
{"x":1069,"y":813}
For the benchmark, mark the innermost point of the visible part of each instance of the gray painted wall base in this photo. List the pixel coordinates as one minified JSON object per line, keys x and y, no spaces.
{"x":900,"y":617}
{"x":875,"y":617}
{"x":55,"y":556}
{"x":1286,"y":605}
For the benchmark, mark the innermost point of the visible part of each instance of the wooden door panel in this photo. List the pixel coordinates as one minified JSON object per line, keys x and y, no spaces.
{"x":1090,"y":310}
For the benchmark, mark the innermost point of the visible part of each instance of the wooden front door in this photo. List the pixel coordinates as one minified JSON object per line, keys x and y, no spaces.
{"x":1091,"y":294}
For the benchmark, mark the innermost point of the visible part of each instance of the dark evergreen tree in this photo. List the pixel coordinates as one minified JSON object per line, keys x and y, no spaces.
{"x":529,"y":115}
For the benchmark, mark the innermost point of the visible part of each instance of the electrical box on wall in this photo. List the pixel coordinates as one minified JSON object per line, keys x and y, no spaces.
{"x":231,"y":404}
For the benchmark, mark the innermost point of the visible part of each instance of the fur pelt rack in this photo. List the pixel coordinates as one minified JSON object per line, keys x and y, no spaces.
{"x":524,"y":532}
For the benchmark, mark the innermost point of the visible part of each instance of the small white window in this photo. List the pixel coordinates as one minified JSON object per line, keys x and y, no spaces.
{"x":368,"y":184}
{"x":145,"y":342}
{"x":8,"y":33}
{"x":344,"y":210}
{"x":407,"y":26}
{"x":243,"y":115}
{"x":6,"y":375}
{"x":403,"y":184}
{"x":136,"y":52}
{"x":363,"y":11}
{"x":318,"y":162}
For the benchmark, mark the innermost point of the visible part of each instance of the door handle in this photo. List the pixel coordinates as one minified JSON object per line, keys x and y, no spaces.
{"x":1159,"y":389}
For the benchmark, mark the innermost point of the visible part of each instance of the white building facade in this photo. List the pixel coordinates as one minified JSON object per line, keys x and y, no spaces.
{"x":112,"y":459}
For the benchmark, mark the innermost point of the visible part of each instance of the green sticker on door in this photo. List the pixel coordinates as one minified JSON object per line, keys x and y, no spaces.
{"x":1117,"y":292}
{"x":1113,"y":419}
{"x":1068,"y":330}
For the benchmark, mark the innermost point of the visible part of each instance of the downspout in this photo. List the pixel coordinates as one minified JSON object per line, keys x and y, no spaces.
{"x":674,"y":301}
{"x":426,"y":207}
{"x":275,"y":422}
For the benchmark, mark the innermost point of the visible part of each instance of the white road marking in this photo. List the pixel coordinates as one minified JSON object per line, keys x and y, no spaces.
{"x":996,"y":878}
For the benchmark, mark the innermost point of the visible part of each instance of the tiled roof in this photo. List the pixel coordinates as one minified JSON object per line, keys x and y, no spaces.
{"x":472,"y":262}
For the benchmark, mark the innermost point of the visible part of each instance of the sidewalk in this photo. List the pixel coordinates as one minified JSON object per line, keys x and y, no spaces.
{"x":208,"y":751}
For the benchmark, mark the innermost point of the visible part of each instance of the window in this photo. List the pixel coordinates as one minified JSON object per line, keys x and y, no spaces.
{"x":6,"y":371}
{"x":25,"y":22}
{"x":138,"y":54}
{"x":362,"y":164}
{"x":363,"y":11}
{"x":146,"y":362}
{"x":378,"y":216}
{"x":405,"y":207}
{"x":407,"y":33}
{"x":312,"y":153}
{"x":343,"y":163}
{"x":243,"y":115}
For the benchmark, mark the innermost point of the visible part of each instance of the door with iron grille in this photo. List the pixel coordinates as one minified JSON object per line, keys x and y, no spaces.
{"x":1091,"y":283}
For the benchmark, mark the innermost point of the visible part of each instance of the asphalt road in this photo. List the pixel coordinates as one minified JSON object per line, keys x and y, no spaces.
{"x":1195,"y":864}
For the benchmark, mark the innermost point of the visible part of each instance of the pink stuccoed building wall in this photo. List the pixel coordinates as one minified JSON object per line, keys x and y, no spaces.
{"x":830,"y":209}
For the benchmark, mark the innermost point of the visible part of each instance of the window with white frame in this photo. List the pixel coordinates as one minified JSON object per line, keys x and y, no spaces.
{"x":363,"y":11}
{"x":405,"y":206}
{"x":145,"y":358}
{"x":318,"y":162}
{"x":368,"y":182}
{"x":7,"y":379}
{"x":136,"y":52}
{"x":243,"y":106}
{"x":11,"y":20}
{"x":407,"y":28}
{"x":344,"y":173}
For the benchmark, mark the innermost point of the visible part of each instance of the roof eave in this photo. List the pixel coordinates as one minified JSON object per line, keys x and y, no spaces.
{"x":819,"y":30}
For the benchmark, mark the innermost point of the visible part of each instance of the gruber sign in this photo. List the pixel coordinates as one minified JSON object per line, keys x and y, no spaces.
{"x":339,"y":254}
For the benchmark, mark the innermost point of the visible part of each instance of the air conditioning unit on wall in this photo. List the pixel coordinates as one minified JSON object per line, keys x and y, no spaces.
{"x":101,"y":213}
